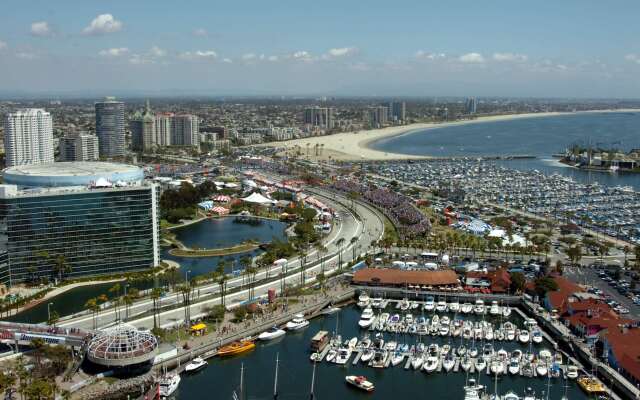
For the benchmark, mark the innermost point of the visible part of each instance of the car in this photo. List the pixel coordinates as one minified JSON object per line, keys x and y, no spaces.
{"x":624,"y":310}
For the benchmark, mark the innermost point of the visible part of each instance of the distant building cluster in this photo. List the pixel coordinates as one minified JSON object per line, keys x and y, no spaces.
{"x":152,"y":131}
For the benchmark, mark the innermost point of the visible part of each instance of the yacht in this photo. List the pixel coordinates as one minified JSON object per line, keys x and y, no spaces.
{"x":465,"y":363}
{"x":364,"y":300}
{"x":376,"y":302}
{"x":514,"y":367}
{"x":466,"y":308}
{"x":536,"y":336}
{"x":496,"y":367}
{"x":367,"y":355}
{"x":298,"y":322}
{"x":454,"y":306}
{"x":480,"y":364}
{"x":431,"y":364}
{"x":195,"y":365}
{"x":506,"y":311}
{"x":429,"y":304}
{"x":441,"y":306}
{"x":168,"y":384}
{"x":479,"y":308}
{"x":495,"y":308}
{"x":271,"y":334}
{"x":360,"y":382}
{"x":344,"y":353}
{"x":523,"y":336}
{"x":571,"y":372}
{"x":448,"y":363}
{"x":510,"y":396}
{"x":367,"y":318}
{"x":417,"y":361}
{"x":473,"y":391}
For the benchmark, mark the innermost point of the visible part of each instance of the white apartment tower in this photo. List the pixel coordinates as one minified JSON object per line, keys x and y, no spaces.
{"x":28,"y":137}
{"x":79,"y":147}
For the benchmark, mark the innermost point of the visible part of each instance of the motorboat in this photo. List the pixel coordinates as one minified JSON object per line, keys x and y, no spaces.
{"x":510,"y":334}
{"x":523,"y":336}
{"x":514,"y":367}
{"x":466,"y":308}
{"x":195,"y":365}
{"x":376,"y":302}
{"x":417,"y":361}
{"x":487,"y":352}
{"x":364,"y":300}
{"x":510,"y":395}
{"x":367,"y":355}
{"x":379,"y":359}
{"x":298,"y":322}
{"x":461,"y":350}
{"x":454,"y":306}
{"x":444,"y":330}
{"x":397,"y":358}
{"x":404,"y":305}
{"x":473,"y":352}
{"x":473,"y":391}
{"x":391,"y":345}
{"x":571,"y":372}
{"x":448,"y":363}
{"x":430,"y":364}
{"x":445,"y":349}
{"x":168,"y":384}
{"x":235,"y":348}
{"x":479,"y":308}
{"x":360,"y":382}
{"x":536,"y":336}
{"x":331,"y":355}
{"x":343,"y":355}
{"x":331,"y":310}
{"x":545,"y":355}
{"x":429,"y":304}
{"x":465,"y":363}
{"x":541,"y":368}
{"x":353,"y":342}
{"x":441,"y":306}
{"x":315,"y":357}
{"x":506,"y":311}
{"x":481,"y":364}
{"x":529,"y":394}
{"x":495,"y":308}
{"x":271,"y":334}
{"x":591,"y":385}
{"x":496,"y":367}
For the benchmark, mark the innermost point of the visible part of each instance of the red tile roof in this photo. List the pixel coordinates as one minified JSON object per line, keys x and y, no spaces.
{"x":558,"y":299}
{"x":625,"y":349}
{"x":387,"y":276}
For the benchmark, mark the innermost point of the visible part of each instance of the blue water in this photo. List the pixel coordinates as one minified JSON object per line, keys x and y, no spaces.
{"x":225,"y":232}
{"x":539,"y":136}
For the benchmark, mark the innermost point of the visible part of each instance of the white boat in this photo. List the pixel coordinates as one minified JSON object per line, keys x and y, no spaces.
{"x":465,"y":363}
{"x":397,"y":358}
{"x":510,"y":396}
{"x":344,"y":353}
{"x":360,"y":382}
{"x":473,"y":391}
{"x":331,"y":355}
{"x":376,"y":302}
{"x":495,"y":308}
{"x":514,"y":367}
{"x":541,"y":368}
{"x":298,"y":322}
{"x":506,"y":311}
{"x":405,"y":304}
{"x":353,"y":342}
{"x":168,"y":385}
{"x":496,"y":367}
{"x":271,"y":334}
{"x":466,"y":308}
{"x":473,"y":352}
{"x":195,"y":365}
{"x":448,"y":363}
{"x":315,"y":357}
{"x":480,"y":364}
{"x":330,"y":310}
{"x":523,"y":336}
{"x":510,"y":334}
{"x":454,"y":306}
{"x":536,"y":336}
{"x":441,"y":306}
{"x":479,"y":308}
{"x":571,"y":372}
{"x":367,"y":355}
{"x":429,"y":304}
{"x":364,"y":300}
{"x":431,"y":364}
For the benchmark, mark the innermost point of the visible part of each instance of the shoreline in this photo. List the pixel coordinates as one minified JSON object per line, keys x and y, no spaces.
{"x":354,"y":146}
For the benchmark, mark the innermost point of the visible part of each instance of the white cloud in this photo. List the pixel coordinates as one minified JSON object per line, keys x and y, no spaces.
{"x":272,"y":58}
{"x":302,"y":55}
{"x":562,"y":67}
{"x":102,"y":24}
{"x":227,"y":60}
{"x":341,"y":52}
{"x":472,"y":58}
{"x":510,"y":57}
{"x":199,"y":54}
{"x":26,"y":55}
{"x":200,"y":32}
{"x":157,"y":52}
{"x":41,"y":28}
{"x":429,"y":56}
{"x":138,"y":59}
{"x":633,"y":58}
{"x":114,"y":52}
{"x":360,"y":66}
{"x":249,"y":57}
{"x":3,"y":45}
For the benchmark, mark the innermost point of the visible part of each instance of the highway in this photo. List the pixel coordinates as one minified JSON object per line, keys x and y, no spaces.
{"x":365,"y":224}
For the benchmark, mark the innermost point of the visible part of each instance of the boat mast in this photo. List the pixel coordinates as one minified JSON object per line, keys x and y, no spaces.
{"x":313,"y":380}
{"x":275,"y":383}
{"x":241,"y":381}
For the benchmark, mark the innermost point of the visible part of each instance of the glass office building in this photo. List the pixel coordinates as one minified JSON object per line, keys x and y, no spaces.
{"x":72,"y":232}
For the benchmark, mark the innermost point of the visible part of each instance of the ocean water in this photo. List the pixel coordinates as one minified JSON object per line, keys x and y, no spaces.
{"x":540,"y":137}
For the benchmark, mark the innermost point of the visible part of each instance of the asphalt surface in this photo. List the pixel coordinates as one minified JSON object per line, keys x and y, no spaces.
{"x":367,"y":227}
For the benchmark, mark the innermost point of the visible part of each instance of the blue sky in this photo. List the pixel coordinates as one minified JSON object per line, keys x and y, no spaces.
{"x":563,"y":48}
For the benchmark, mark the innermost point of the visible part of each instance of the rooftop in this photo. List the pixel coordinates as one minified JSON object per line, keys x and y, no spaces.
{"x":381,"y":276}
{"x":74,"y":168}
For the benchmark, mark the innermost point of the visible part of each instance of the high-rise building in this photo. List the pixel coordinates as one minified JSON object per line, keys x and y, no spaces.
{"x":99,"y":218}
{"x":321,"y":117}
{"x":397,"y":111}
{"x":28,"y":137}
{"x":378,"y":116}
{"x":143,"y":131}
{"x":79,"y":147}
{"x":110,"y":127}
{"x":185,"y":130}
{"x":471,"y":105}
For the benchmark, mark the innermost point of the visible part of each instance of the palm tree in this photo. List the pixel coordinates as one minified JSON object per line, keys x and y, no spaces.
{"x":322,"y":251}
{"x":185,"y":290}
{"x":61,"y":267}
{"x":222,"y":282}
{"x":303,"y":261}
{"x":128,"y":302}
{"x":156,"y":293}
{"x":353,"y":247}
{"x":340,"y":243}
{"x":626,"y":250}
{"x":92,"y":305}
{"x":251,"y":273}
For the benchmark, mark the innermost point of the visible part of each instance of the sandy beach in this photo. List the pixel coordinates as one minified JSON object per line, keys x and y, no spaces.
{"x":353,"y":146}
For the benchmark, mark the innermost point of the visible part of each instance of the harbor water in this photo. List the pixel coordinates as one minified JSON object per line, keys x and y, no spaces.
{"x":222,"y":376}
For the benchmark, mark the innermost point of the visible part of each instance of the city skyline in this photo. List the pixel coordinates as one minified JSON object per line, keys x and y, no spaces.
{"x":410,"y":49}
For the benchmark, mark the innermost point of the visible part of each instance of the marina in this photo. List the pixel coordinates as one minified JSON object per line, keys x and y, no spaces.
{"x":610,"y":210}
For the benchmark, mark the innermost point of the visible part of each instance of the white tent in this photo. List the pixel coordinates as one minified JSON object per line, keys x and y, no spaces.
{"x":101,"y":182}
{"x":258,"y":198}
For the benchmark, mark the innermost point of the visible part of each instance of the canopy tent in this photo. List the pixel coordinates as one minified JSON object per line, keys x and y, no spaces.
{"x":206,"y":205}
{"x":257,"y":198}
{"x":198,"y":327}
{"x":220,"y":210}
{"x":222,"y":198}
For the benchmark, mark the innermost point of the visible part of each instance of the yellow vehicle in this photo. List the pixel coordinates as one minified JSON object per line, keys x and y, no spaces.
{"x":591,"y":385}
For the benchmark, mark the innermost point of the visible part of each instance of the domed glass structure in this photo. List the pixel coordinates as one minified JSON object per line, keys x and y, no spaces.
{"x":121,"y":346}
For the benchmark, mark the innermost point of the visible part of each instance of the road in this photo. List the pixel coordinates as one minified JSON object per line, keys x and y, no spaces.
{"x":366,"y":226}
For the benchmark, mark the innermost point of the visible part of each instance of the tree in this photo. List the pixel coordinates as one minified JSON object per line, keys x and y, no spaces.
{"x":92,"y":305}
{"x":222,"y":282}
{"x":185,"y":290}
{"x":53,"y":319}
{"x":636,"y":253}
{"x":321,"y":279}
{"x":340,"y":243}
{"x":559,"y":267}
{"x":544,"y":285}
{"x":156,"y":293}
{"x":575,"y":254}
{"x":322,"y":252}
{"x":61,"y":267}
{"x":353,"y":242}
{"x":518,"y":282}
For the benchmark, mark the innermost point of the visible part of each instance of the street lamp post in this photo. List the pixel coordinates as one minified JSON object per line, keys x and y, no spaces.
{"x":49,"y":311}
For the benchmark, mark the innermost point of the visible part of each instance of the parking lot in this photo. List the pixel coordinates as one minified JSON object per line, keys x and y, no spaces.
{"x":607,"y":287}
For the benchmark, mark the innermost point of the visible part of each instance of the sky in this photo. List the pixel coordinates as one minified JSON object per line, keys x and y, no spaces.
{"x":568,"y":48}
